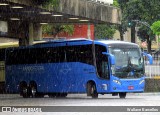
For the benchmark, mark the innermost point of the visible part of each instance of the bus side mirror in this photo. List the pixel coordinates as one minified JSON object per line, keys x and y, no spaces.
{"x":149,"y":57}
{"x":111,"y":57}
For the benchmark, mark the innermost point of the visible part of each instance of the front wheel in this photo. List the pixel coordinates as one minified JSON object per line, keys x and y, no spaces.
{"x":122,"y":95}
{"x":92,"y":91}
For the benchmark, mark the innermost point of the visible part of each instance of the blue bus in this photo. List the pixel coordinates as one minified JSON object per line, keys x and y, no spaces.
{"x":57,"y":68}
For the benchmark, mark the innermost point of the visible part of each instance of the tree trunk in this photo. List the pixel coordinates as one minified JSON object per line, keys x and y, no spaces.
{"x":149,"y":44}
{"x":133,"y":31}
{"x":121,"y":36}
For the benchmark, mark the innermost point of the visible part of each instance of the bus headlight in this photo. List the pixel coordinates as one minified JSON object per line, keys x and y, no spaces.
{"x":141,"y":81}
{"x":117,"y":81}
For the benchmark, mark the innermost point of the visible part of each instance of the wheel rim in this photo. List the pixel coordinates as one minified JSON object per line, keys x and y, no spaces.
{"x":33,"y":91}
{"x":94,"y":93}
{"x":24,"y":92}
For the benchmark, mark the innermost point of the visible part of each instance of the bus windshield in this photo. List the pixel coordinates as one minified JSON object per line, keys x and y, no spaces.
{"x":129,"y":62}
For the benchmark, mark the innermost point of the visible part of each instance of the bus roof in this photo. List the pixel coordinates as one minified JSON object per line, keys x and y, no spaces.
{"x":81,"y":41}
{"x":111,"y":43}
{"x":108,"y":42}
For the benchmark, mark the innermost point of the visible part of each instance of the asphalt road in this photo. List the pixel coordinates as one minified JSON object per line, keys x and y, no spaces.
{"x":81,"y":101}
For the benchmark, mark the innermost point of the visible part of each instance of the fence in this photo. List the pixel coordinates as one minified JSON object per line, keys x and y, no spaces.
{"x":152,"y":71}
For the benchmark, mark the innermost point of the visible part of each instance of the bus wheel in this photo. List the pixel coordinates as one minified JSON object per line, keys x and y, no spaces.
{"x":92,"y":90}
{"x":25,"y":92}
{"x":33,"y":91}
{"x":122,"y":95}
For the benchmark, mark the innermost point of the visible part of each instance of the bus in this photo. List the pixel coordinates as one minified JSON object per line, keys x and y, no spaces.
{"x":57,"y":68}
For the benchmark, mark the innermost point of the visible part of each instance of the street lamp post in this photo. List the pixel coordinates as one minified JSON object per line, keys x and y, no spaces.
{"x":141,"y":22}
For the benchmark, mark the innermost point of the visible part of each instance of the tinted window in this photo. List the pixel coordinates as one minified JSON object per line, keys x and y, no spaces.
{"x":82,"y":53}
{"x":101,"y":62}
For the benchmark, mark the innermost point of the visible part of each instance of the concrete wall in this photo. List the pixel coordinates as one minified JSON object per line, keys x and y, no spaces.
{"x":82,"y":8}
{"x":92,"y":10}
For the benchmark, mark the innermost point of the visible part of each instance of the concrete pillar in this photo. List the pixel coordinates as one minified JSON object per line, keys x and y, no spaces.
{"x":3,"y":28}
{"x":23,"y":33}
{"x":89,"y":31}
{"x":37,"y":31}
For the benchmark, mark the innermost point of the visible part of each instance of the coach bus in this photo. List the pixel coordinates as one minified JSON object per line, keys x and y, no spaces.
{"x":57,"y":68}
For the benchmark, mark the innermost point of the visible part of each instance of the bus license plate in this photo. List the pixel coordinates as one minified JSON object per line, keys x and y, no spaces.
{"x":130,"y":87}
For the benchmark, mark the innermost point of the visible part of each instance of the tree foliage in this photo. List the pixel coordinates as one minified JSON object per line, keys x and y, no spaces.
{"x":54,"y":4}
{"x":104,"y":31}
{"x":54,"y":29}
{"x":156,"y":28}
{"x":144,"y":10}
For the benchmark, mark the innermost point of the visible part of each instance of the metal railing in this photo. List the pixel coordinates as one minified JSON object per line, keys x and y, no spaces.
{"x":153,"y":71}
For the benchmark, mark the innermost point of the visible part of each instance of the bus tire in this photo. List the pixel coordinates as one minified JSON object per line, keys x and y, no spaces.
{"x":33,"y":91}
{"x":122,"y":95}
{"x":91,"y":90}
{"x":25,"y":92}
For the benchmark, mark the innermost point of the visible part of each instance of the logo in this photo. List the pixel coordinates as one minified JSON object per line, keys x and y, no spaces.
{"x":6,"y":109}
{"x":21,"y":109}
{"x":65,"y":69}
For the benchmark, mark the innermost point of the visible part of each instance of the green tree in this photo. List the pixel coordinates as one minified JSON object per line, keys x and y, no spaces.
{"x":54,"y":4}
{"x":54,"y":29}
{"x":103,"y":31}
{"x":144,"y":10}
{"x":156,"y":29}
{"x":115,"y":3}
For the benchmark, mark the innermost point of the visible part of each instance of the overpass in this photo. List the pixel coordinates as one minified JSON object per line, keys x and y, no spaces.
{"x":22,"y":19}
